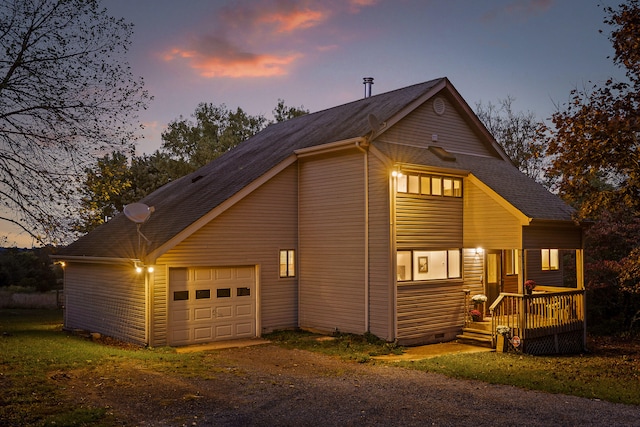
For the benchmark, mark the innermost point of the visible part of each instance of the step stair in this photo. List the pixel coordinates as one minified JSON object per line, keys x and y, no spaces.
{"x":477,"y":333}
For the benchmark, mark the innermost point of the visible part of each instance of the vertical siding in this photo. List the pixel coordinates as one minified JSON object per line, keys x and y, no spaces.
{"x":453,"y":133}
{"x":252,"y":232}
{"x":332,"y":239}
{"x":381,"y":295}
{"x":116,"y":310}
{"x":486,"y":223}
{"x":428,"y":222}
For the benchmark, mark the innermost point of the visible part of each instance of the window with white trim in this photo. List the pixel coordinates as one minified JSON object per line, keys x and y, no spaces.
{"x":550,"y":259}
{"x":287,"y":263}
{"x":429,"y":185}
{"x":419,"y":265}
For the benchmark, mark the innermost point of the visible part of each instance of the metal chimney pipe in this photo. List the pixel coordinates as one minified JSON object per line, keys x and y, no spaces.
{"x":368,"y":82}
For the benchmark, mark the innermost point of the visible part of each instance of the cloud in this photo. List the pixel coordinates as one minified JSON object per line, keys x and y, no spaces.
{"x":262,"y":38}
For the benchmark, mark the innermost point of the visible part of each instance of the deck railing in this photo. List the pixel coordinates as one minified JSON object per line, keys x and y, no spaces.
{"x":540,"y":314}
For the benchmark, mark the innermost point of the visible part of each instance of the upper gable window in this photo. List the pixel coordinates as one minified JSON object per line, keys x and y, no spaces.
{"x":429,"y":185}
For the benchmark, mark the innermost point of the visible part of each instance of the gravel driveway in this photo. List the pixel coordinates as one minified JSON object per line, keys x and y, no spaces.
{"x":270,"y":386}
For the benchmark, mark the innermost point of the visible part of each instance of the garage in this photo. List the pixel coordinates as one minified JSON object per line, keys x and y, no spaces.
{"x":211,"y":304}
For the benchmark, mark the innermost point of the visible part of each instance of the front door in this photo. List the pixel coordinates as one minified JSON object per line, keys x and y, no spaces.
{"x":493,"y":277}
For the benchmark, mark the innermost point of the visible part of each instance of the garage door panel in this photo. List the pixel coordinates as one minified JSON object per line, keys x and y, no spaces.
{"x":203,"y":334}
{"x":202,"y":314}
{"x":244,"y":310}
{"x":224,"y":331}
{"x":211,"y":304}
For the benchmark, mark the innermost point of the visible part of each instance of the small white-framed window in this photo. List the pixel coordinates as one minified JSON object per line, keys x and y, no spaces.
{"x":511,"y":262}
{"x":550,"y":259}
{"x":287,"y":263}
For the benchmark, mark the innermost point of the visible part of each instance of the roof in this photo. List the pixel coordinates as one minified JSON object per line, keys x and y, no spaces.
{"x":525,"y":194}
{"x":181,"y":203}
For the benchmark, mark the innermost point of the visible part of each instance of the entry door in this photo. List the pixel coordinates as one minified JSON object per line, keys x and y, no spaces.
{"x":211,"y":304}
{"x":493,"y":277}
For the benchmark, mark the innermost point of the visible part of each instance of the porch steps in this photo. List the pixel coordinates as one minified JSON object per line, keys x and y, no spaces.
{"x":477,"y":333}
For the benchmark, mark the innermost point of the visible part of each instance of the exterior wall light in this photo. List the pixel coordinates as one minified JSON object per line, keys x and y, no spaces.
{"x":150,"y":269}
{"x":478,"y":251}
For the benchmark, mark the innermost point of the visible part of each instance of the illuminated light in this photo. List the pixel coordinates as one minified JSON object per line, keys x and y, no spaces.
{"x":150,"y":269}
{"x":478,"y":251}
{"x":138,"y":269}
{"x":396,"y":174}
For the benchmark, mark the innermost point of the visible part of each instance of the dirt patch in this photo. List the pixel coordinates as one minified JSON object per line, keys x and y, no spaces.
{"x":269,"y":385}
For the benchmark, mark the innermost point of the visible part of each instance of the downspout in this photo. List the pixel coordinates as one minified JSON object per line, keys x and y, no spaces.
{"x":366,"y":235}
{"x":393,"y":258}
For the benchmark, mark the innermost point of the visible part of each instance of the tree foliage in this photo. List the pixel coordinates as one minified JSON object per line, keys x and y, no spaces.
{"x":66,"y":93}
{"x":596,"y":157}
{"x":596,"y":165}
{"x":518,"y":133}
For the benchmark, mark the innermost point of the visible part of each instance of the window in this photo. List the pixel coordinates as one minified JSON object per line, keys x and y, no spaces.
{"x":287,"y":263}
{"x":550,"y":259}
{"x":223,"y":293}
{"x":428,"y":265}
{"x":429,"y":185}
{"x":203,"y":293}
{"x":511,"y":262}
{"x":181,"y":295}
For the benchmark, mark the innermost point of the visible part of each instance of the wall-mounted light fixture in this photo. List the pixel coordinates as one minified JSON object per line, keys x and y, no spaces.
{"x":396,"y":173}
{"x":478,"y":251}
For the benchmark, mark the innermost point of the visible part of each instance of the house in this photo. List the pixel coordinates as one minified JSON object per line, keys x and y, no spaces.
{"x":383,"y":215}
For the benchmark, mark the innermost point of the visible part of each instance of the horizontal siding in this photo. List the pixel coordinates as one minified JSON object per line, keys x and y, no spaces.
{"x":549,"y":236}
{"x":332,"y":242}
{"x":428,"y":222}
{"x":252,"y":232}
{"x":430,"y":312}
{"x":473,"y":271}
{"x":486,"y":223}
{"x":533,"y":262}
{"x":381,"y":297}
{"x":453,"y":133}
{"x":108,"y":299}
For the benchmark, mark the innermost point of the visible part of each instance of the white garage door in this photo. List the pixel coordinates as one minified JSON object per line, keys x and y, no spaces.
{"x":211,"y":304}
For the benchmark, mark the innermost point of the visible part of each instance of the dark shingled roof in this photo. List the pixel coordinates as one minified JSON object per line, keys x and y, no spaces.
{"x":182,"y":202}
{"x":526,"y":195}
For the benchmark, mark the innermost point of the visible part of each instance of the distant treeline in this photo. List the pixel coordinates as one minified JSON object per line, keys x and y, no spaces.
{"x":29,"y":269}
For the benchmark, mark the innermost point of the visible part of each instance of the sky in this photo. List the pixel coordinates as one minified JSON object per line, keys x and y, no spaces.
{"x":315,"y":53}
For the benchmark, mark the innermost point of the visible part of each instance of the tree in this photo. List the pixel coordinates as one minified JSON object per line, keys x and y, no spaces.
{"x":283,"y":113}
{"x":66,"y":93}
{"x":215,"y":131}
{"x":595,"y":151}
{"x":596,"y":164}
{"x":519,"y":134}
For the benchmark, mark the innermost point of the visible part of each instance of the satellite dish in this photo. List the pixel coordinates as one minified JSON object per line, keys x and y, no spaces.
{"x":137,"y":212}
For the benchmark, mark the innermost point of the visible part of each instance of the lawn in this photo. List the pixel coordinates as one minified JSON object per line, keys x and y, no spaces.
{"x":35,"y":352}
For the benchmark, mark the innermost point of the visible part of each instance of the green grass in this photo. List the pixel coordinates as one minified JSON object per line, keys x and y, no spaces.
{"x":34,"y":349}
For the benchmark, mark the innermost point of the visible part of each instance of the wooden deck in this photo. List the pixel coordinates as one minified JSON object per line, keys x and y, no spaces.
{"x":545,"y":323}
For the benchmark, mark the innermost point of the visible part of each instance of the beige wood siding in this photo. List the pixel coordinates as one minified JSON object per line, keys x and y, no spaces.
{"x":332,"y":243}
{"x":430,"y":312}
{"x":109,"y":299}
{"x":473,"y":270}
{"x":487,"y":224}
{"x":420,"y":126}
{"x":428,"y":222}
{"x":252,"y":232}
{"x":381,"y":295}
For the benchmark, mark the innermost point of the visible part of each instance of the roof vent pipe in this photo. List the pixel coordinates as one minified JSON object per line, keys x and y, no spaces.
{"x":368,"y":82}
